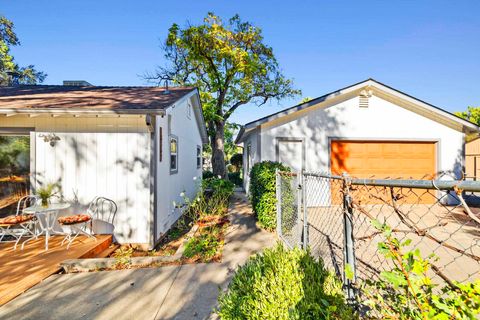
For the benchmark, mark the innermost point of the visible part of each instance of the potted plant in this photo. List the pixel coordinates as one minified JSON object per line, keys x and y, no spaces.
{"x":46,"y":192}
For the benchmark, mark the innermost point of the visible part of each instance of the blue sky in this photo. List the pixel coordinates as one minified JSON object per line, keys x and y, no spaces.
{"x":429,"y":49}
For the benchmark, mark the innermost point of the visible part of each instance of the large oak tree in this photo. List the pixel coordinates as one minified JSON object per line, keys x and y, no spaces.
{"x":10,"y":71}
{"x":230,"y":64}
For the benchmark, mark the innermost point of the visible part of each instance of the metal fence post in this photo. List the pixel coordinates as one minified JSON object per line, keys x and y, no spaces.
{"x":305,"y":213}
{"x":279,"y":201}
{"x":349,"y":249}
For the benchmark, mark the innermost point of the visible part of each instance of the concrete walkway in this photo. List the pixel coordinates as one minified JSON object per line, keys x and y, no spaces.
{"x":175,"y":292}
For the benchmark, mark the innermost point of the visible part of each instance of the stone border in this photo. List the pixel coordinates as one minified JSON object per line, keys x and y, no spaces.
{"x":95,"y":264}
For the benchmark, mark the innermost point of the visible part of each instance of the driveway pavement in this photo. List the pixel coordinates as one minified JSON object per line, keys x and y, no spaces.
{"x":174,"y":292}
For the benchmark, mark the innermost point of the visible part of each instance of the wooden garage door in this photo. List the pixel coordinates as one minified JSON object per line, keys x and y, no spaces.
{"x":386,"y":159}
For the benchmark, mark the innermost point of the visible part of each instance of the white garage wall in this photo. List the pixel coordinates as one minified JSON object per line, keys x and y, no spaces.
{"x":184,"y":126}
{"x":96,"y":157}
{"x":382,"y":120}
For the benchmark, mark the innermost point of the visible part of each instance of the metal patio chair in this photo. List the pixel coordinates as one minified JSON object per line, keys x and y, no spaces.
{"x":99,"y":210}
{"x":20,"y":224}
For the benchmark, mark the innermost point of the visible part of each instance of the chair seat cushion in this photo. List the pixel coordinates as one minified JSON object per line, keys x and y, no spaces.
{"x":12,"y":220}
{"x":78,"y":218}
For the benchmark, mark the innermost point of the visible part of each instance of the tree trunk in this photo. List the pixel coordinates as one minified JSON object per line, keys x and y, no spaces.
{"x":218,"y":153}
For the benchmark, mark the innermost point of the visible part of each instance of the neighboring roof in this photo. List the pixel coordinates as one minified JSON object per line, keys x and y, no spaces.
{"x":357,"y":86}
{"x":46,"y":98}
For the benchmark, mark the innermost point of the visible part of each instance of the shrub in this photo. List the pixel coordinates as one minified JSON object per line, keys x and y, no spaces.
{"x":407,"y":292}
{"x":219,"y":186}
{"x":262,"y":192}
{"x":207,"y":174}
{"x":237,"y":161}
{"x":284,"y":284}
{"x":212,"y":199}
{"x":235,"y":178}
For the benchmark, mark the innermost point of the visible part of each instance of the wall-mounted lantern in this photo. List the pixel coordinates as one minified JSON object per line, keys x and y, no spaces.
{"x":51,"y":138}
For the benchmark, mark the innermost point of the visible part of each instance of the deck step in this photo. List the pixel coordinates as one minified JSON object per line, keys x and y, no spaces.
{"x":107,"y":252}
{"x":99,"y":248}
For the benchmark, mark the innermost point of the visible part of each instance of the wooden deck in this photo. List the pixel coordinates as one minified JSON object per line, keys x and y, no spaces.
{"x":22,"y":269}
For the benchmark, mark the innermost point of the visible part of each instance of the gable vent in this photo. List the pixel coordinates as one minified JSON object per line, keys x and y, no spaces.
{"x":364,"y":97}
{"x":363,"y":103}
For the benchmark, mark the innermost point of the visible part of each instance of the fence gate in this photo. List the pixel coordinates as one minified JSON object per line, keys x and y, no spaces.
{"x":337,"y":217}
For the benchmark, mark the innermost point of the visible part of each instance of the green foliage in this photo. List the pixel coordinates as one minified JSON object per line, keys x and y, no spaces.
{"x":230,"y":64}
{"x":207,"y":174}
{"x":472,"y":114}
{"x":212,"y":199}
{"x":284,"y":284}
{"x":47,"y":191}
{"x":408,"y":292}
{"x":205,"y":245}
{"x":123,"y":257}
{"x":235,"y":178}
{"x":221,"y":187}
{"x":237,"y":161}
{"x":263,"y":192}
{"x":10,"y":71}
{"x":306,"y":99}
{"x":15,"y":154}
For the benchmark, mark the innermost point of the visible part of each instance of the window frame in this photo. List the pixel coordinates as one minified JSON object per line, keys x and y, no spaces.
{"x":199,"y":157}
{"x":171,"y":139}
{"x":249,"y":157}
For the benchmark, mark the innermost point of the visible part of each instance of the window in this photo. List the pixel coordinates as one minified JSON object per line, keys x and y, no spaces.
{"x":199,"y":157}
{"x":189,"y":110}
{"x":249,"y":152}
{"x":173,"y":154}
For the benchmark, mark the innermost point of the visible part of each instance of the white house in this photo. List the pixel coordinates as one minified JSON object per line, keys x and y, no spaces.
{"x":366,"y":129}
{"x":139,"y":146}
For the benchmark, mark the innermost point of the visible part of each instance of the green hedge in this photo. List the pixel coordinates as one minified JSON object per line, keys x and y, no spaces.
{"x":236,"y":178}
{"x":262,"y":192}
{"x":284,"y":284}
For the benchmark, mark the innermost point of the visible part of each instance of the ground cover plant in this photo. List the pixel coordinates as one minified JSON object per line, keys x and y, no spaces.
{"x":210,"y":209}
{"x":284,"y":284}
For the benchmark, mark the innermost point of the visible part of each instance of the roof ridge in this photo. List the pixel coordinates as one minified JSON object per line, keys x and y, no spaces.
{"x":93,"y":87}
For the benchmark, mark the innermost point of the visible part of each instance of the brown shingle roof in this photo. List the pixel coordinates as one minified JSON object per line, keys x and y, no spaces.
{"x":116,"y":99}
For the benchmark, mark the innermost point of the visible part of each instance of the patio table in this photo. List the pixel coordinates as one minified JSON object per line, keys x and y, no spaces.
{"x":50,"y":215}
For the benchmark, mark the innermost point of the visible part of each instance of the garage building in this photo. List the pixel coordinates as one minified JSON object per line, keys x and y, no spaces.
{"x":367,"y":130}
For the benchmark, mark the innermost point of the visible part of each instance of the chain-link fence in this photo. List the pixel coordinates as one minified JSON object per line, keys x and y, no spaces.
{"x":335,"y":216}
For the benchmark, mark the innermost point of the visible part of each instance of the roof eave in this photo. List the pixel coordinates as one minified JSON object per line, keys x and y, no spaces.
{"x":71,"y":111}
{"x":467,"y":126}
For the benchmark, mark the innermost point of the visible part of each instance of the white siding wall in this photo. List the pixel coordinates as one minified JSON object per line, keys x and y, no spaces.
{"x":381,"y":120}
{"x":188,"y":177}
{"x":96,"y":157}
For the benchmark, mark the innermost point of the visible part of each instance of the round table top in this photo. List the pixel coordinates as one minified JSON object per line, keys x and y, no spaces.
{"x":51,"y":207}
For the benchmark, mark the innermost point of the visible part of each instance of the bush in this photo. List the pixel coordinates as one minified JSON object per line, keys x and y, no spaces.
{"x":219,"y":186}
{"x":262,"y":192}
{"x":207,"y":175}
{"x":237,"y":161}
{"x":284,"y":284}
{"x":235,"y":178}
{"x":407,"y":291}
